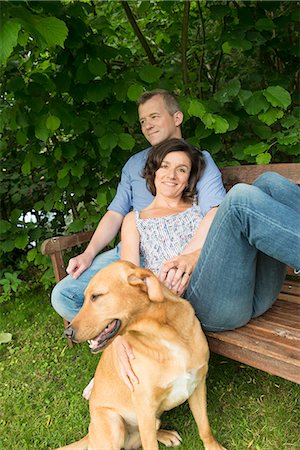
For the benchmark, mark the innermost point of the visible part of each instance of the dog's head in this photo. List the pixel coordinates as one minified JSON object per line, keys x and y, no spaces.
{"x":113,"y":299}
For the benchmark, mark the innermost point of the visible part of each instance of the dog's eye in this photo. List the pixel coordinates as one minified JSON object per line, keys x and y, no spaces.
{"x":94,"y":297}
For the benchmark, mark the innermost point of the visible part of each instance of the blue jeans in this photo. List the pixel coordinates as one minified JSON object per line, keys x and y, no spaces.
{"x":68,"y":295}
{"x":254,"y":236}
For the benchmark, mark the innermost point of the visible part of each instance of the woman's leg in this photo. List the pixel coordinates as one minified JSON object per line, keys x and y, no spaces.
{"x":68,"y":295}
{"x":231,"y":283}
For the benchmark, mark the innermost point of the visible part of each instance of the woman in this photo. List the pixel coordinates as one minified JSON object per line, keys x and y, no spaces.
{"x":163,"y":229}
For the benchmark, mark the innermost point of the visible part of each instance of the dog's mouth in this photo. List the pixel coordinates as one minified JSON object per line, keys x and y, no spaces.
{"x":100,"y":341}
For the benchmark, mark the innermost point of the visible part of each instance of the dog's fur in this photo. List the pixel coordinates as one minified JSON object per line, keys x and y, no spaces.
{"x":171,"y":360}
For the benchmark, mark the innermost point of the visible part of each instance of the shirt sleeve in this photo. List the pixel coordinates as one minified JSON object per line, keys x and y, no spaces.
{"x":210,"y":187}
{"x":122,"y":202}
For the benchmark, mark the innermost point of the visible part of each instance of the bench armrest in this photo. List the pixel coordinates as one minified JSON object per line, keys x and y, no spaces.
{"x":55,"y":246}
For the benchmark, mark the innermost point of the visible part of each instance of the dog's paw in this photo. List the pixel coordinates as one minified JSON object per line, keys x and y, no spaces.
{"x":170,"y":438}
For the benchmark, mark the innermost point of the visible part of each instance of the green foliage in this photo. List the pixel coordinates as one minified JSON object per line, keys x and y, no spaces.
{"x":71,"y":73}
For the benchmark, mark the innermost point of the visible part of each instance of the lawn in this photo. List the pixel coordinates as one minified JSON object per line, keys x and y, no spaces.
{"x":41,"y":381}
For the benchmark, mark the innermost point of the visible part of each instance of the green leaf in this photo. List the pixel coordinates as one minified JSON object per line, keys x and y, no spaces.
{"x":4,"y":226}
{"x":64,"y":171}
{"x":31,"y":254}
{"x":220,"y":125}
{"x":52,"y":123}
{"x":196,"y":109}
{"x":76,"y":225}
{"x":262,"y":131}
{"x":53,"y":30}
{"x":5,"y":338}
{"x":256,"y":149}
{"x":97,"y":92}
{"x":150,"y":73}
{"x":41,"y":131}
{"x":101,"y":198}
{"x":21,"y":138}
{"x":256,"y":103}
{"x":9,"y":38}
{"x":97,"y":67}
{"x":126,"y":141}
{"x":278,"y":96}
{"x":270,"y":116}
{"x":288,"y":121}
{"x":208,"y":120}
{"x":21,"y":241}
{"x":265,"y":25}
{"x":264,"y":158}
{"x":229,"y":91}
{"x":134,"y":92}
{"x":239,"y":44}
{"x":289,"y":139}
{"x":108,"y":142}
{"x":26,"y":167}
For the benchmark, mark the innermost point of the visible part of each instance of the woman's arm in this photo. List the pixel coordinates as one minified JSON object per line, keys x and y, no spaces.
{"x":175,"y":273}
{"x":130,"y":240}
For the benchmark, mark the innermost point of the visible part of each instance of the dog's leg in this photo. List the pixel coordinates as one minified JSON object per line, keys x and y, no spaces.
{"x":147,"y":422}
{"x":170,"y":438}
{"x":197,"y":403}
{"x":106,"y":430}
{"x":79,"y":445}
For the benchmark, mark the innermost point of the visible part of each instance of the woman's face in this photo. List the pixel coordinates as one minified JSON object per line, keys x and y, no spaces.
{"x":173,"y":175}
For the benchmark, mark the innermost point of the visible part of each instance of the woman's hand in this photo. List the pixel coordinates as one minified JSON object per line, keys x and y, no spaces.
{"x":176,"y":272}
{"x":124,"y":354}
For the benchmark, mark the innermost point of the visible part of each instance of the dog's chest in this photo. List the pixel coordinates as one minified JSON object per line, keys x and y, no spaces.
{"x":181,"y":388}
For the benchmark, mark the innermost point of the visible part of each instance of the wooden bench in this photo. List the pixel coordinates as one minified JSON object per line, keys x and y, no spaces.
{"x":270,"y":342}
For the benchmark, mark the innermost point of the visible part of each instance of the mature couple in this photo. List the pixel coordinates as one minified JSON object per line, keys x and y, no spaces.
{"x":188,"y":232}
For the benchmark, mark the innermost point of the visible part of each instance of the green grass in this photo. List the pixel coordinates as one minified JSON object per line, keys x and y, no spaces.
{"x":41,"y":381}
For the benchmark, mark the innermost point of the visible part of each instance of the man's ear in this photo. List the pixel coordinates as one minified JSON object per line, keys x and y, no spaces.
{"x":178,"y":118}
{"x":148,"y":282}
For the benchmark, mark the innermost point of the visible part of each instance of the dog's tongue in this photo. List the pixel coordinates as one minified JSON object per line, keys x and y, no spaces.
{"x":94,"y":343}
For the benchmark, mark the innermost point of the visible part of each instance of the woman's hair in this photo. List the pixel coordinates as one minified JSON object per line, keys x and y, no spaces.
{"x":157,"y":155}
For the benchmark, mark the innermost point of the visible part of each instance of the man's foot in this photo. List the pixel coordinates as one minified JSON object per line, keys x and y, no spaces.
{"x":88,"y":389}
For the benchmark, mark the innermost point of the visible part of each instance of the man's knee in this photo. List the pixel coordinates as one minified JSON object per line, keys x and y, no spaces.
{"x":267,"y":179}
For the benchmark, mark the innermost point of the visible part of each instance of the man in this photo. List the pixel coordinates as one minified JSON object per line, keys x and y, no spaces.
{"x":160,"y":118}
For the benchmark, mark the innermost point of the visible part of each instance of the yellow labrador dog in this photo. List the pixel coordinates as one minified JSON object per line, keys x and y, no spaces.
{"x":171,"y":360}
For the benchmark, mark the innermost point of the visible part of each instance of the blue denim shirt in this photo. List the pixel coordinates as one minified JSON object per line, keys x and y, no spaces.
{"x":132,"y":192}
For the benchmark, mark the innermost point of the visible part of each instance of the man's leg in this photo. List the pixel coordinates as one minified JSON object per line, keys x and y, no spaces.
{"x":226,"y":288}
{"x":68,"y":295}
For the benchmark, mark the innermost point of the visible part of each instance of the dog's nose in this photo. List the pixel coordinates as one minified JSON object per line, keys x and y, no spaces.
{"x":69,"y":332}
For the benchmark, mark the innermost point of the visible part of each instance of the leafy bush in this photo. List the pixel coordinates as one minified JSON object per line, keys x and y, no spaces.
{"x":71,"y":73}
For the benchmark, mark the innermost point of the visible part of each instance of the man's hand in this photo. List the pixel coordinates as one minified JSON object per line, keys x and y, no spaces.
{"x":124,"y":354}
{"x":176,"y":272}
{"x":79,"y":264}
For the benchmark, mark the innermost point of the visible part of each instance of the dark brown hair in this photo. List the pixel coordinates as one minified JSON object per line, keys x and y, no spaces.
{"x":170,"y":99}
{"x":160,"y":151}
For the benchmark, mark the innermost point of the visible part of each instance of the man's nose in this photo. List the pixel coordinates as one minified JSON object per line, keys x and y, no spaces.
{"x":148,"y":124}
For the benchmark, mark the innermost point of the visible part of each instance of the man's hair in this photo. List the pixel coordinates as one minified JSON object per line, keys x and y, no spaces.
{"x":169,"y":98}
{"x":158,"y":153}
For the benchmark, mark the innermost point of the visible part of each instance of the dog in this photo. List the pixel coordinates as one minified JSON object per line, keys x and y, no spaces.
{"x":171,"y":360}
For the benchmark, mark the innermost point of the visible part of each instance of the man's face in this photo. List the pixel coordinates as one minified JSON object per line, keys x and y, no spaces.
{"x":157,"y":123}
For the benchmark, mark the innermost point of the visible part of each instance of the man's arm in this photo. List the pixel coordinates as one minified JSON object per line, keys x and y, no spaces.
{"x":106,"y":230}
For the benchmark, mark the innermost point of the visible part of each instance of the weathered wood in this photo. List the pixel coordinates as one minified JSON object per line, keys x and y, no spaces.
{"x":270,"y":342}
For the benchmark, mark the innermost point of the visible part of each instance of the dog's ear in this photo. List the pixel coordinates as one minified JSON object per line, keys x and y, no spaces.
{"x":148,"y":283}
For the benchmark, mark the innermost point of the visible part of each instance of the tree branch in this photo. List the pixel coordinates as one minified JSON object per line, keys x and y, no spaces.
{"x":138,"y":32}
{"x":184,"y":41}
{"x":203,"y":47}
